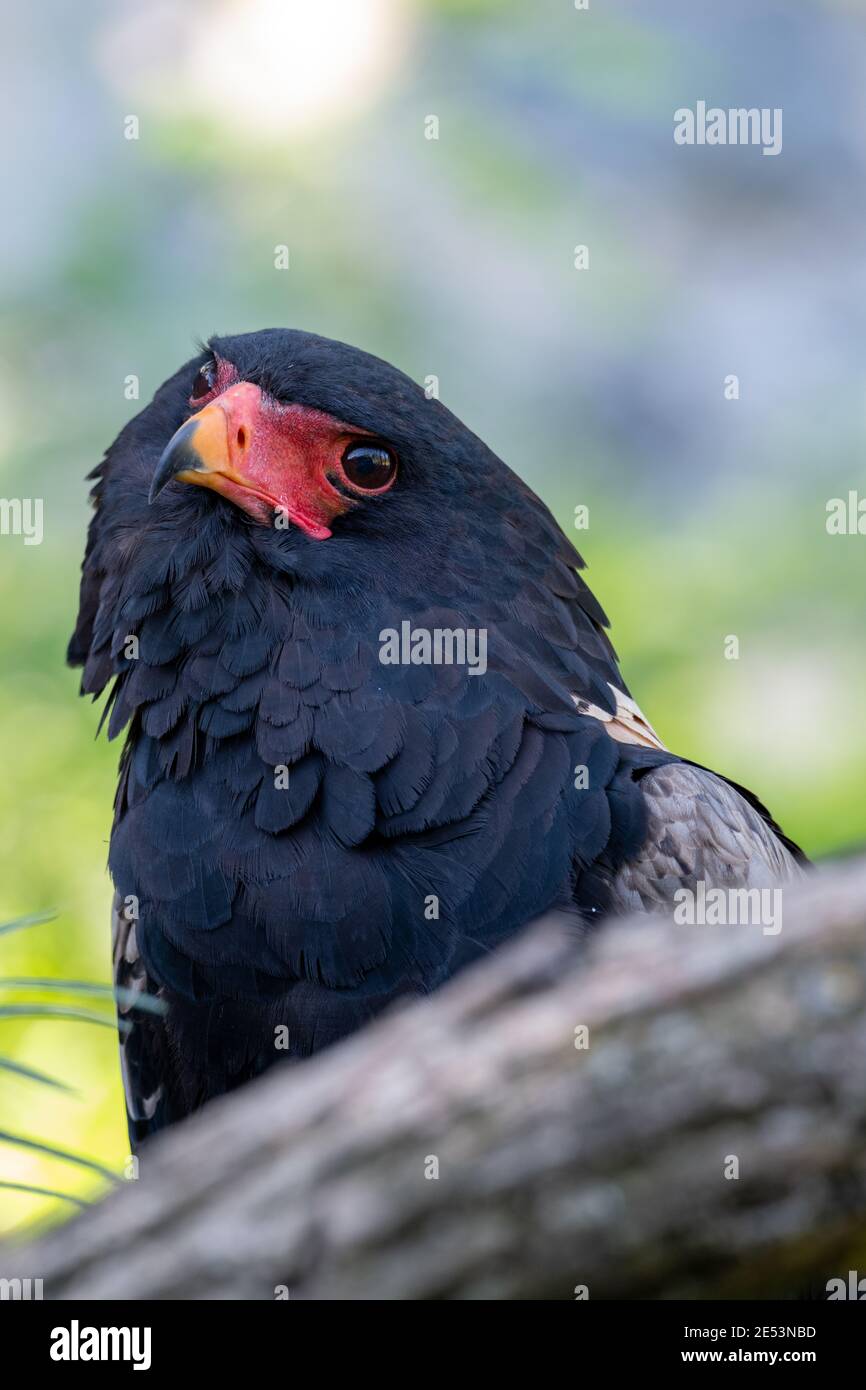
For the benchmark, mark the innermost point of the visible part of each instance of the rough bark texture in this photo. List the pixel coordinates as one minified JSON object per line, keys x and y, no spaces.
{"x":559,"y":1166}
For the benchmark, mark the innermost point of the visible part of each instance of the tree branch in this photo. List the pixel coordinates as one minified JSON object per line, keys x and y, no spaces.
{"x":558,"y":1166}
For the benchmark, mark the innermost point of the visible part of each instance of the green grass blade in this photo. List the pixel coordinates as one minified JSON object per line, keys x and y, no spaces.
{"x":32,"y":921}
{"x":21,"y":1141}
{"x":58,"y":985}
{"x":56,"y":1011}
{"x":43,"y":1192}
{"x":31,"y":1074}
{"x":147,"y":1003}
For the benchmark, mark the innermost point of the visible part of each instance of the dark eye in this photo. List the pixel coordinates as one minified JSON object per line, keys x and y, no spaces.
{"x":204,"y":382}
{"x":370,"y":467}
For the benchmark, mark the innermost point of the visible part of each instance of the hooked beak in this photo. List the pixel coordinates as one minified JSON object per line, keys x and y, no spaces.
{"x":202,"y":452}
{"x":234,"y":446}
{"x":180,"y":459}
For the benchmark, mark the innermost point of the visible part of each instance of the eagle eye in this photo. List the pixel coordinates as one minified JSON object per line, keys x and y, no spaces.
{"x":369,"y":467}
{"x":205,"y":381}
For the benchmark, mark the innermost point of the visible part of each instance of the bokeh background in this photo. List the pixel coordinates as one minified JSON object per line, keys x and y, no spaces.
{"x":269,"y":123}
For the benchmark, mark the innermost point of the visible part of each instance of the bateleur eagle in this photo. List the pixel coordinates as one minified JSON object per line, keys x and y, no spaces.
{"x":303,"y":830}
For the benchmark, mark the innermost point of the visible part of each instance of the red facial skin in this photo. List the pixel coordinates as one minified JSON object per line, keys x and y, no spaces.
{"x":264,"y":456}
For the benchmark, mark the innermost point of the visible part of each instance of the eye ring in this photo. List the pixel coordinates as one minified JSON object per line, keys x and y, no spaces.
{"x":369,"y":466}
{"x":205,"y":382}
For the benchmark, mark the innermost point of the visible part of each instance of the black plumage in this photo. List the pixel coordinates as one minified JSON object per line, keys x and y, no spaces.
{"x":251,"y":905}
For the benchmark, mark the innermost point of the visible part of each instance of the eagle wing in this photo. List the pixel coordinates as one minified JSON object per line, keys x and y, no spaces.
{"x":701,"y":829}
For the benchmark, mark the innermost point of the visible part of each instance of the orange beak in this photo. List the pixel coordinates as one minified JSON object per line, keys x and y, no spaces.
{"x":210,"y":449}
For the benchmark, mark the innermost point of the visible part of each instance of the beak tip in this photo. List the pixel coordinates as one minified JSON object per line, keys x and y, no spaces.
{"x":177,"y":456}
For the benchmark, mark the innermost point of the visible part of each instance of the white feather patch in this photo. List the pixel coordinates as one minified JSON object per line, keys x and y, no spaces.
{"x":628,"y":725}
